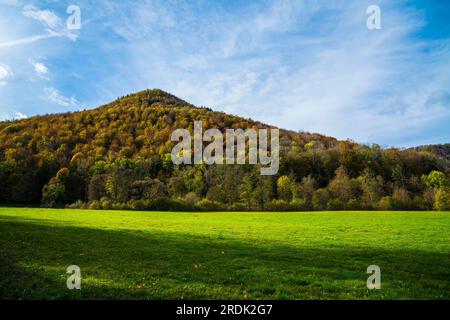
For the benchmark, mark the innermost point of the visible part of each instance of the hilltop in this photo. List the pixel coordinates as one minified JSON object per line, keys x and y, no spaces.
{"x":150,"y":97}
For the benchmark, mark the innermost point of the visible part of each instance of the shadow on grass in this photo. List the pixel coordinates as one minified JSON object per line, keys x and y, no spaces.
{"x":125,"y":264}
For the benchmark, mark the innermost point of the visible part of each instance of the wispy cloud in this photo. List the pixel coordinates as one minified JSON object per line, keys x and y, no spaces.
{"x":53,"y":95}
{"x":40,"y":69}
{"x":14,"y":115}
{"x":28,"y":40}
{"x":300,"y":65}
{"x":5,"y":73}
{"x":19,"y":116}
{"x":52,"y":23}
{"x":309,"y":65}
{"x":46,"y":17}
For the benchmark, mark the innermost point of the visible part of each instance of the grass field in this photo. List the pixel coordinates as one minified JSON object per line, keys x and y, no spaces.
{"x":161,"y":255}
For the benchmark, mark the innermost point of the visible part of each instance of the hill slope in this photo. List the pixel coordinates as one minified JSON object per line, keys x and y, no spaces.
{"x":120,"y":153}
{"x":441,"y":150}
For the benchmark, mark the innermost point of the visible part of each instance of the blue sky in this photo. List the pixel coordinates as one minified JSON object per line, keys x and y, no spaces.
{"x":300,"y":65}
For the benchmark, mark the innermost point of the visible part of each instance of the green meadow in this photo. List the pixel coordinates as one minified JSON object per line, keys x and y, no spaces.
{"x":173,"y":255}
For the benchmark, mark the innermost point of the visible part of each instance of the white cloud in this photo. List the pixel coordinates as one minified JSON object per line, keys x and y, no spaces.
{"x":5,"y":73}
{"x":40,"y":69}
{"x":299,"y":65}
{"x":28,"y":40}
{"x":53,"y":24}
{"x":15,"y":115}
{"x":47,"y":17}
{"x":19,"y":116}
{"x":55,"y":96}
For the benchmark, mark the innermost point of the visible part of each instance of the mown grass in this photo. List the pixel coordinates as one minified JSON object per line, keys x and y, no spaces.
{"x":168,"y":255}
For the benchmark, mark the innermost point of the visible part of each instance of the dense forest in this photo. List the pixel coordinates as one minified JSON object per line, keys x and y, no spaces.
{"x":118,"y":157}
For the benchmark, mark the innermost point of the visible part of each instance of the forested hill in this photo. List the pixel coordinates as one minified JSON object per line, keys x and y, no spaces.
{"x":442,"y":150}
{"x":118,"y":156}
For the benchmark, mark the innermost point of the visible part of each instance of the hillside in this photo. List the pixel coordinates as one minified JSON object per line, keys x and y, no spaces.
{"x":118,"y":156}
{"x":441,"y":150}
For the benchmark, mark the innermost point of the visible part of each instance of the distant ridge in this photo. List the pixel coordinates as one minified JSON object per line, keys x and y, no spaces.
{"x":442,"y":150}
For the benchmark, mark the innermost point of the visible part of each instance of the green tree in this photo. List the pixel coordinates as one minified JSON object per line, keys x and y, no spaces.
{"x":148,"y":189}
{"x":285,"y":188}
{"x":442,"y":199}
{"x":176,"y":187}
{"x":371,"y":189}
{"x":53,"y":194}
{"x":320,"y":199}
{"x":306,"y":190}
{"x":401,"y":199}
{"x":247,"y":191}
{"x":342,"y":187}
{"x":436,"y":180}
{"x":118,"y":185}
{"x":97,"y":187}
